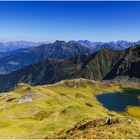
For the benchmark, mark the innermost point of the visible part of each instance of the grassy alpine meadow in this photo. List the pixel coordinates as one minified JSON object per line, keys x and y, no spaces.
{"x":66,"y":109}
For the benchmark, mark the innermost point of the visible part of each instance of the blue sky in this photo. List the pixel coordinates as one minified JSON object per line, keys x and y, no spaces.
{"x":50,"y":21}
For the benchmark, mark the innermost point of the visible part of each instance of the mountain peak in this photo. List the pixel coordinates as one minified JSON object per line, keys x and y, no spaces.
{"x":59,"y":42}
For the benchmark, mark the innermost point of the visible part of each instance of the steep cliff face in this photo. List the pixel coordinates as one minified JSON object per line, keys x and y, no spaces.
{"x":128,"y":65}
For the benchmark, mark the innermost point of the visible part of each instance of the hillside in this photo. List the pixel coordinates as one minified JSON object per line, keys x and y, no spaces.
{"x":106,"y":64}
{"x":120,"y":127}
{"x":21,"y":54}
{"x":50,"y":111}
{"x":58,"y":49}
{"x":128,"y":65}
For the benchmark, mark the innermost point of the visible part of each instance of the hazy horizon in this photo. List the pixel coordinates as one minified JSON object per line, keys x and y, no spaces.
{"x":37,"y":41}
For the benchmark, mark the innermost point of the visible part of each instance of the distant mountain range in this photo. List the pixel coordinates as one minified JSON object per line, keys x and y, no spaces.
{"x":14,"y":45}
{"x":17,"y":55}
{"x":106,"y":64}
{"x":119,"y":45}
{"x":7,"y":48}
{"x":58,"y":49}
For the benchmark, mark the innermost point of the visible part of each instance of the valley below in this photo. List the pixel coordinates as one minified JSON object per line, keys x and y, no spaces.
{"x":77,"y":108}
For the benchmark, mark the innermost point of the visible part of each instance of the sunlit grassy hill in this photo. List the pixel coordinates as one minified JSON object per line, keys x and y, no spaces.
{"x":49,"y":111}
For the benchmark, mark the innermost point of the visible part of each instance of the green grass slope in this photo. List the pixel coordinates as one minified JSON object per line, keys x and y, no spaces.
{"x":49,"y":111}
